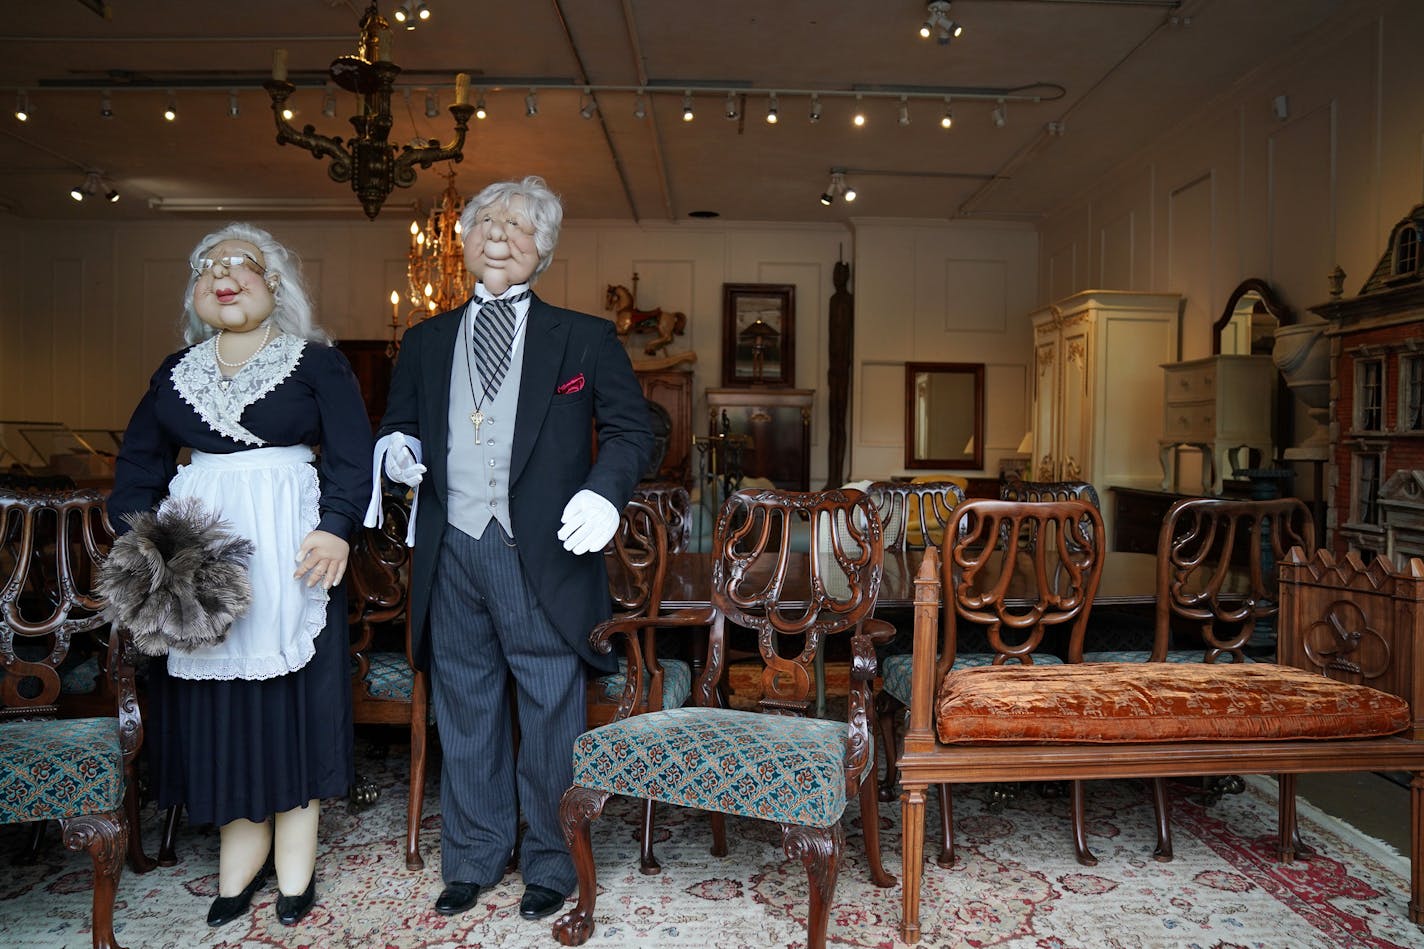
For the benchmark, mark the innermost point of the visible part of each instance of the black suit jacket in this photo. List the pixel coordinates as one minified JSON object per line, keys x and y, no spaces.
{"x":551,"y":455}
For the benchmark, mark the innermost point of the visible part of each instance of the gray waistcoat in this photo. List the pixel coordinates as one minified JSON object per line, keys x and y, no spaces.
{"x":479,"y":474}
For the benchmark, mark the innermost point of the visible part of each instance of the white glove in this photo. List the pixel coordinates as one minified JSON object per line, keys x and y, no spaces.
{"x":401,"y":463}
{"x":589,"y":522}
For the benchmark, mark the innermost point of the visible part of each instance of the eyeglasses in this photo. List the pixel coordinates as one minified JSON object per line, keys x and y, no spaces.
{"x":234,"y":262}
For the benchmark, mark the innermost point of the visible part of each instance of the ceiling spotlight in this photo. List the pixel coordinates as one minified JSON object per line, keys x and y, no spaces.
{"x":233,"y":109}
{"x":640,"y":107}
{"x":587,"y":106}
{"x":858,"y":120}
{"x":170,"y":113}
{"x":22,"y":106}
{"x":111,"y":194}
{"x":904,"y":111}
{"x":106,"y":106}
{"x":404,"y":14}
{"x":815,"y":115}
{"x":1000,"y":115}
{"x":480,"y":111}
{"x":531,"y":105}
{"x":422,"y":12}
{"x":328,"y":104}
{"x":732,"y":112}
{"x":939,"y":25}
{"x":771,"y":110}
{"x":88,"y":188}
{"x":837,"y":188}
{"x":947,"y":120}
{"x":687,"y":114}
{"x":432,"y":104}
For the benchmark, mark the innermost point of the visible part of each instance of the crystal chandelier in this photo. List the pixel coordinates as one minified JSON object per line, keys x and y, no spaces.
{"x":435,"y":267}
{"x":368,"y":160}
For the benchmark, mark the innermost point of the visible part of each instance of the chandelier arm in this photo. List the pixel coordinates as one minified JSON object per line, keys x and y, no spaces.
{"x":308,"y":138}
{"x":430,"y":154}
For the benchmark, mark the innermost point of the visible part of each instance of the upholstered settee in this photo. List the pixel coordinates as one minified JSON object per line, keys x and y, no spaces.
{"x":1344,"y":696}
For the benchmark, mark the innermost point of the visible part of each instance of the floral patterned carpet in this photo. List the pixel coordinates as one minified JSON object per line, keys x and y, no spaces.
{"x":1016,"y":884}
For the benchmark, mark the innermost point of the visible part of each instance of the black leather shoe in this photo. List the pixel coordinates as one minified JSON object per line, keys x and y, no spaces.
{"x":540,"y":901}
{"x":227,"y":908}
{"x":457,"y":897}
{"x":291,"y":909}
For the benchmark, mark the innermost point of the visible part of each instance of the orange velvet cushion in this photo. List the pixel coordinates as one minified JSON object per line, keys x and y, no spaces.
{"x":1116,"y":702}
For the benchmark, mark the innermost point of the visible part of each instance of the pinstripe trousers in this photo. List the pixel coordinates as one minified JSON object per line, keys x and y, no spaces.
{"x":486,"y":624}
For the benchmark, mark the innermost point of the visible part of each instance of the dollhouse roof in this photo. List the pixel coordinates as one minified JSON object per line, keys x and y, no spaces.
{"x":1386,"y":275}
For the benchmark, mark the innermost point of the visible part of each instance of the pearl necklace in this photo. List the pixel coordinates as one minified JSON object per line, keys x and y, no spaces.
{"x":217,"y":349}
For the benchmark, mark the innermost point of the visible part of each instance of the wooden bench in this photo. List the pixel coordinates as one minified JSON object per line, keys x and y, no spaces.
{"x":1345,"y":622}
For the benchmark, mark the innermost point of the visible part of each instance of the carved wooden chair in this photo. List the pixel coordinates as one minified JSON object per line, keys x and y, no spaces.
{"x":78,"y":771}
{"x":774,"y":764}
{"x":893,"y":697}
{"x":1040,"y":582}
{"x":636,"y":558}
{"x":386,"y":688}
{"x":913,"y":515}
{"x":674,"y":505}
{"x":1221,"y":606}
{"x":1016,"y":489}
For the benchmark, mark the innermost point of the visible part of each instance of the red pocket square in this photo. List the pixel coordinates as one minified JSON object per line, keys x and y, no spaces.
{"x":573,"y":385}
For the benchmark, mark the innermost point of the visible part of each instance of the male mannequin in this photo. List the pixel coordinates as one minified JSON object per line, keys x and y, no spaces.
{"x":503,"y":584}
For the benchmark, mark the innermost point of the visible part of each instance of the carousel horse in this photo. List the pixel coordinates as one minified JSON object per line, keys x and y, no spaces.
{"x":626,"y":319}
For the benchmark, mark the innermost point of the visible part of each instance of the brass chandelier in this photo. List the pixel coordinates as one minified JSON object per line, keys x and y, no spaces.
{"x":368,"y":160}
{"x":435,"y":266}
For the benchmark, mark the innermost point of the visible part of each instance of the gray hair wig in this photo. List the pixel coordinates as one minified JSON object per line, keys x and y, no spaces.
{"x":293,"y":311}
{"x":546,"y":213}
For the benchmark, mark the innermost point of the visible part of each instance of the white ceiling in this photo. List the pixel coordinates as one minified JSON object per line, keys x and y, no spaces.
{"x":1118,"y":72}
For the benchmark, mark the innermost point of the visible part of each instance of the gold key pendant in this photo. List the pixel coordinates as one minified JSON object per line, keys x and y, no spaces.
{"x":478,"y":417}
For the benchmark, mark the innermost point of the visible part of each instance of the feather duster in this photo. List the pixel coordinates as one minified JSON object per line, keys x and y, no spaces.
{"x":178,"y":579}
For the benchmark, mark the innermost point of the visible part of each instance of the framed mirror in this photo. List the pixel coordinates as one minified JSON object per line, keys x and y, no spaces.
{"x":1248,"y":323}
{"x":944,"y":415}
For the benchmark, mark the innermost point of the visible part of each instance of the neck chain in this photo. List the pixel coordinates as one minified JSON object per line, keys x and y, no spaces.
{"x":477,"y":417}
{"x":217,"y":349}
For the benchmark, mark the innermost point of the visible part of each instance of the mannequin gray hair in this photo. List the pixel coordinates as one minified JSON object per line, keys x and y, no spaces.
{"x":293,"y":311}
{"x":545,"y":210}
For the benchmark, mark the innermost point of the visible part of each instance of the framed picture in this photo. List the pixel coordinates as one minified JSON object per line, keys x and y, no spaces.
{"x":758,"y":348}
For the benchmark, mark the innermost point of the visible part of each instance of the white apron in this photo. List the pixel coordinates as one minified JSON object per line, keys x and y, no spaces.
{"x":270,"y":496}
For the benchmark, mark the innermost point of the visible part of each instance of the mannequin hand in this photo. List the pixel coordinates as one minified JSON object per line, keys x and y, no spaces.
{"x":401,"y":465}
{"x":589,"y":522}
{"x":322,"y":558}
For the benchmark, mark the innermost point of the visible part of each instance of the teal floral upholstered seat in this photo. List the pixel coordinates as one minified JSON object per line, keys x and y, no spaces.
{"x":768,"y":767}
{"x":677,"y":683}
{"x":55,"y":769}
{"x":77,"y":771}
{"x":775,"y":763}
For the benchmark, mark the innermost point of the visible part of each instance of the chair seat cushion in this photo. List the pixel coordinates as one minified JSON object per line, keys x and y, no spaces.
{"x":53,"y":769}
{"x":390,"y":676}
{"x":768,"y":767}
{"x":677,"y":683}
{"x":895,"y":670}
{"x":1158,"y":702}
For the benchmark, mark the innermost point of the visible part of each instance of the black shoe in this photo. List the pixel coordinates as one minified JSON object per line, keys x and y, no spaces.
{"x":540,"y":901}
{"x":291,"y":909}
{"x":227,"y":908}
{"x":457,"y":897}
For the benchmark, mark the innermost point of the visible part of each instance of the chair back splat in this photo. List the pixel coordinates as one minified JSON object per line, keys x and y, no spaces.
{"x":1197,"y":583}
{"x":914,"y":515}
{"x":752,"y":544}
{"x":1020,"y":570}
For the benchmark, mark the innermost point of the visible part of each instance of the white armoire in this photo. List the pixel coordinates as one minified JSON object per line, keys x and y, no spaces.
{"x":1097,"y":387}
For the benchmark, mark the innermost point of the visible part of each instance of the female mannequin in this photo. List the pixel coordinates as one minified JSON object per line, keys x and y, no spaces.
{"x":251,"y":733}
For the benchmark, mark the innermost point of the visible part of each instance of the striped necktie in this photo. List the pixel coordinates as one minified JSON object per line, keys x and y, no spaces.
{"x":493,"y":340}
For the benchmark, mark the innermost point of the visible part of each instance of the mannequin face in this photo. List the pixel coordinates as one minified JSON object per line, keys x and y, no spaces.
{"x":499,"y":249}
{"x":234,"y":297}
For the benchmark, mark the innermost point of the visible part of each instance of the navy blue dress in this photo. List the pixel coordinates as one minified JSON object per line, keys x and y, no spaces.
{"x":236,"y":748}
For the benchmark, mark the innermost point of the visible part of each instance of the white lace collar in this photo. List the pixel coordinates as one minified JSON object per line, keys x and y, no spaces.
{"x":220,"y":401}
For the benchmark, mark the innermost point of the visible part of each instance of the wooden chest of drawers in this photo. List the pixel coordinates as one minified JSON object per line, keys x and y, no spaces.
{"x":1219,"y":405}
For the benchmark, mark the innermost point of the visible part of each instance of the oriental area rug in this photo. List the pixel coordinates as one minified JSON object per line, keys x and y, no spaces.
{"x":1015,"y":886}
